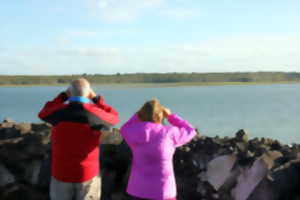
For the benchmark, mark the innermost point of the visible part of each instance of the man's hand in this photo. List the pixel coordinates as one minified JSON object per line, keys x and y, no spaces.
{"x":92,"y":94}
{"x":68,"y":92}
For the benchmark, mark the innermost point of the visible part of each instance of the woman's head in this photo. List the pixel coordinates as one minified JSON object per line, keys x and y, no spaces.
{"x":151,"y":111}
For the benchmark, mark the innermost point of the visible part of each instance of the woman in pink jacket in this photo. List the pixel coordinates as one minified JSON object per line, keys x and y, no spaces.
{"x":153,"y":145}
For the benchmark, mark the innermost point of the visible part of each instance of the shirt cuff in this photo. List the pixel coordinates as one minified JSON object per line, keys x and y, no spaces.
{"x":96,"y":99}
{"x":171,"y":117}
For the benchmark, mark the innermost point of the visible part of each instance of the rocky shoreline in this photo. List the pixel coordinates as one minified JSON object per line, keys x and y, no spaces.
{"x":208,"y":168}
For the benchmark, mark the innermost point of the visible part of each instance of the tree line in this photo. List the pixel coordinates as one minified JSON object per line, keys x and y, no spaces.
{"x":154,"y":78}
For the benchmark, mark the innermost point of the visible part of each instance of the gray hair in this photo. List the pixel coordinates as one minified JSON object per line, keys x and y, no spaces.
{"x":77,"y":88}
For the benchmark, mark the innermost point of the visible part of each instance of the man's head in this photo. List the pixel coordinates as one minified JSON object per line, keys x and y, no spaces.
{"x":80,"y":87}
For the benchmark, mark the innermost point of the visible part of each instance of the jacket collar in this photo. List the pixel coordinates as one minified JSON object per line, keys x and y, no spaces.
{"x":80,"y":99}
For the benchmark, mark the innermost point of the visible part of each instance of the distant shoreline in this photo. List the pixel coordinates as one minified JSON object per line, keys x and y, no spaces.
{"x":156,"y":79}
{"x":176,"y":84}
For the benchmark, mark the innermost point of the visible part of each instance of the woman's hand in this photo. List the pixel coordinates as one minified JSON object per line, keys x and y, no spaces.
{"x":166,"y":112}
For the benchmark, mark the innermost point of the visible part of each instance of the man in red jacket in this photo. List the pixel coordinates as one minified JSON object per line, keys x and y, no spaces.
{"x":77,"y":116}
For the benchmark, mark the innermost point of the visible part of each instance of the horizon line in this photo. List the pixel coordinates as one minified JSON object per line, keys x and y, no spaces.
{"x":135,"y":73}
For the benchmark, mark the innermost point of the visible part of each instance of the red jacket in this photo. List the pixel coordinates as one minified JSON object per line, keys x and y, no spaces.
{"x":76,"y":136}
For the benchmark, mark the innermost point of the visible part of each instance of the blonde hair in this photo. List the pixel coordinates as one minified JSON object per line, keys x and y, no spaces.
{"x":151,"y":111}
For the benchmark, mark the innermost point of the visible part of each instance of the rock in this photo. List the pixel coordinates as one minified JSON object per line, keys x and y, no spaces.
{"x":242,"y":136}
{"x":22,"y":192}
{"x":11,"y":141}
{"x":297,"y":198}
{"x":33,"y":146}
{"x":44,"y":175}
{"x":206,"y":168}
{"x":32,"y":172}
{"x":267,"y":141}
{"x":187,"y":149}
{"x":219,"y":169}
{"x":242,"y":146}
{"x":258,"y":148}
{"x":7,"y":125}
{"x":8,"y":133}
{"x":275,"y":146}
{"x":286,"y":180}
{"x":245,"y":159}
{"x":201,"y":189}
{"x":111,"y":137}
{"x":270,"y":157}
{"x":115,"y":165}
{"x":24,"y":128}
{"x":42,"y":127}
{"x":225,"y":190}
{"x":249,"y":179}
{"x":8,"y":120}
{"x":5,"y":176}
{"x":263,"y":191}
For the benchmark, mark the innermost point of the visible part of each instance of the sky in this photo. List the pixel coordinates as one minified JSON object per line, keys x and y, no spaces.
{"x":42,"y":37}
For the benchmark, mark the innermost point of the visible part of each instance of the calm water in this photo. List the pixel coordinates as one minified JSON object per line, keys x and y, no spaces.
{"x":265,"y":110}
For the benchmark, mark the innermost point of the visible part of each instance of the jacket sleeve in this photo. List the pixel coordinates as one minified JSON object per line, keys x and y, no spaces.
{"x":49,"y":111}
{"x":103,"y":115}
{"x":183,"y":131}
{"x":99,"y":101}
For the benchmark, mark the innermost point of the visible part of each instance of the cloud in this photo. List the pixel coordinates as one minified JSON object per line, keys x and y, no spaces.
{"x":64,"y":41}
{"x":125,"y":11}
{"x":272,"y":53}
{"x":83,"y":33}
{"x":68,"y":38}
{"x":122,"y":10}
{"x":107,"y":33}
{"x":60,"y":61}
{"x":179,"y":13}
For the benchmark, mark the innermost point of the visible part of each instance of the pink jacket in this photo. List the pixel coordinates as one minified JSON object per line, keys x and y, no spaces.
{"x":153,"y":146}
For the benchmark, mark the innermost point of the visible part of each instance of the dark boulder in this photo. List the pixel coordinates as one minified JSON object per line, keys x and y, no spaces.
{"x":8,"y":133}
{"x":286,"y":181}
{"x":242,"y":136}
{"x":8,"y":120}
{"x":262,"y":169}
{"x":24,"y":128}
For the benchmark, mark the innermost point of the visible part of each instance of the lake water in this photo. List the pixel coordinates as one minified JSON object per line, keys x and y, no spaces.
{"x":264,"y":110}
